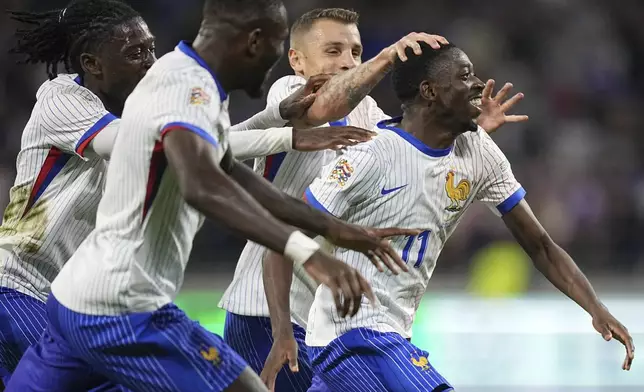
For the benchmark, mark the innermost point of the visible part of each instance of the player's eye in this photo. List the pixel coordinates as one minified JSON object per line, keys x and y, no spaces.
{"x":334,"y":52}
{"x":137,"y":52}
{"x":357,"y":54}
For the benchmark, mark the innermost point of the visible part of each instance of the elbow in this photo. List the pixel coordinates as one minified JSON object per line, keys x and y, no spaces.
{"x":193,"y":192}
{"x":540,"y":248}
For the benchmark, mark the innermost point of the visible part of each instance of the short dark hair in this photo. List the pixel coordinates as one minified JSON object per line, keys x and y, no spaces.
{"x":407,"y":76}
{"x":304,"y":22}
{"x":240,"y":12}
{"x":62,"y":35}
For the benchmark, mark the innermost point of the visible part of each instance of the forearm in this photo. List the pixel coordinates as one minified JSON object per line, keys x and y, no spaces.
{"x":277,"y":275}
{"x":270,"y":117}
{"x":288,"y":209}
{"x":560,"y":269}
{"x":225,"y":201}
{"x":260,"y":143}
{"x":343,"y":92}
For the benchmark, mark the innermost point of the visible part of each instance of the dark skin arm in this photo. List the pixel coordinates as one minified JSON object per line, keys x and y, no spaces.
{"x":277,"y":276}
{"x":560,"y":269}
{"x":298,"y":213}
{"x":205,"y":186}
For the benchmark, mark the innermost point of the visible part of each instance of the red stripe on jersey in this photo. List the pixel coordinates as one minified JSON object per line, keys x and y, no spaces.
{"x":273,"y":164}
{"x":158,"y":164}
{"x":54,"y":163}
{"x":91,"y":133}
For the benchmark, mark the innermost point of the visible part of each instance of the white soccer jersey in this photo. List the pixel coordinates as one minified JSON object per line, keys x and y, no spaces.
{"x":291,"y":172}
{"x":397,"y":181}
{"x":54,"y":199}
{"x":134,"y":260}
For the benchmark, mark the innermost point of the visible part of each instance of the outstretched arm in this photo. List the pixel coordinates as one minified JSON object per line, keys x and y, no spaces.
{"x":560,"y":269}
{"x":342,"y":93}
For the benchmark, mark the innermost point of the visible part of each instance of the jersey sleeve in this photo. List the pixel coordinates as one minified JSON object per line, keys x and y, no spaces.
{"x":71,"y":120}
{"x":367,"y":114}
{"x":501,"y":191}
{"x":353,"y":178}
{"x":282,"y":88}
{"x":190,"y":102}
{"x":257,"y":143}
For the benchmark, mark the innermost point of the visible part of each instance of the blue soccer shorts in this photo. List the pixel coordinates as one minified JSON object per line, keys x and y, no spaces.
{"x":22,"y":320}
{"x":160,"y":351}
{"x":252,"y":338}
{"x":366,"y":360}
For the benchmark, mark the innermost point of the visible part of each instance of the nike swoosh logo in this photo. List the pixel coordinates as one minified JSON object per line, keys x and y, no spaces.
{"x":388,"y":191}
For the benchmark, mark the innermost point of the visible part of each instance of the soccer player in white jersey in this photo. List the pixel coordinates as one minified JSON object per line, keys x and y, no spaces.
{"x":424,"y":170}
{"x":110,"y":313}
{"x":61,"y":167}
{"x":106,"y":48}
{"x":323,"y":41}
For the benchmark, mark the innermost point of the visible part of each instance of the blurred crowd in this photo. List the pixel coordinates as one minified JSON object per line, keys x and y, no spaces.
{"x":578,"y":62}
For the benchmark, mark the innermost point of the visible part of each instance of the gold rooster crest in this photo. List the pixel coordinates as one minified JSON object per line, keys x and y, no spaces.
{"x":457,"y":193}
{"x":421,"y":362}
{"x":212,"y":355}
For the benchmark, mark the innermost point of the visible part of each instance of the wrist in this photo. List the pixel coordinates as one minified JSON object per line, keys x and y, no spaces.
{"x":294,"y":134}
{"x":281,"y":109}
{"x":385,"y":59}
{"x":596,"y":308}
{"x":283,"y":329}
{"x":300,"y":248}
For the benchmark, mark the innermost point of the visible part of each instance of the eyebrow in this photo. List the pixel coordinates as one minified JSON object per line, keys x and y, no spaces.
{"x":338,"y":43}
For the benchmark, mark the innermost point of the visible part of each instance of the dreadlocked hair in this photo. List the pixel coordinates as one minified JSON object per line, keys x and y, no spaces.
{"x":62,"y":35}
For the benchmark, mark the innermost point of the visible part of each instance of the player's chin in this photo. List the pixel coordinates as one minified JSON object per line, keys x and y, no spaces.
{"x":474,"y":111}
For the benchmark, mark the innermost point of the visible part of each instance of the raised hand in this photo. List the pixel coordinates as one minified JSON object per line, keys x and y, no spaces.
{"x":329,"y":138}
{"x":294,"y":107}
{"x":493,"y":110}
{"x":372,"y":243}
{"x":284,"y":350}
{"x":411,"y":41}
{"x":609,"y":328}
{"x":345,"y":282}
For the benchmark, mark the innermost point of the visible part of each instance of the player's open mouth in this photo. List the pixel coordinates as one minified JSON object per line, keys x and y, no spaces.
{"x":476,"y":101}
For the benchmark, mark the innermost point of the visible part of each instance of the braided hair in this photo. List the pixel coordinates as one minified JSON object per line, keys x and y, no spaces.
{"x":62,"y":35}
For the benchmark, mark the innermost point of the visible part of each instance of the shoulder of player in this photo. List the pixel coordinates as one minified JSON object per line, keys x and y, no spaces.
{"x":62,"y":95}
{"x":178,"y":73}
{"x":478,"y":141}
{"x":284,"y":87}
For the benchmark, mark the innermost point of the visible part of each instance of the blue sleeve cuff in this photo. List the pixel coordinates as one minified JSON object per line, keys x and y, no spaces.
{"x":193,"y":128}
{"x":511,"y":201}
{"x":87,"y":137}
{"x":313,"y":202}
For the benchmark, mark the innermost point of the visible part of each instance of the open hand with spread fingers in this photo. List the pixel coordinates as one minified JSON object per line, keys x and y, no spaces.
{"x":345,"y":282}
{"x":329,"y":138}
{"x":411,"y":40}
{"x":493,"y":109}
{"x":373,"y":243}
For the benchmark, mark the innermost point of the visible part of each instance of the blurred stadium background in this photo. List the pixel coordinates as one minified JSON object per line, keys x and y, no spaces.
{"x":489,"y":321}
